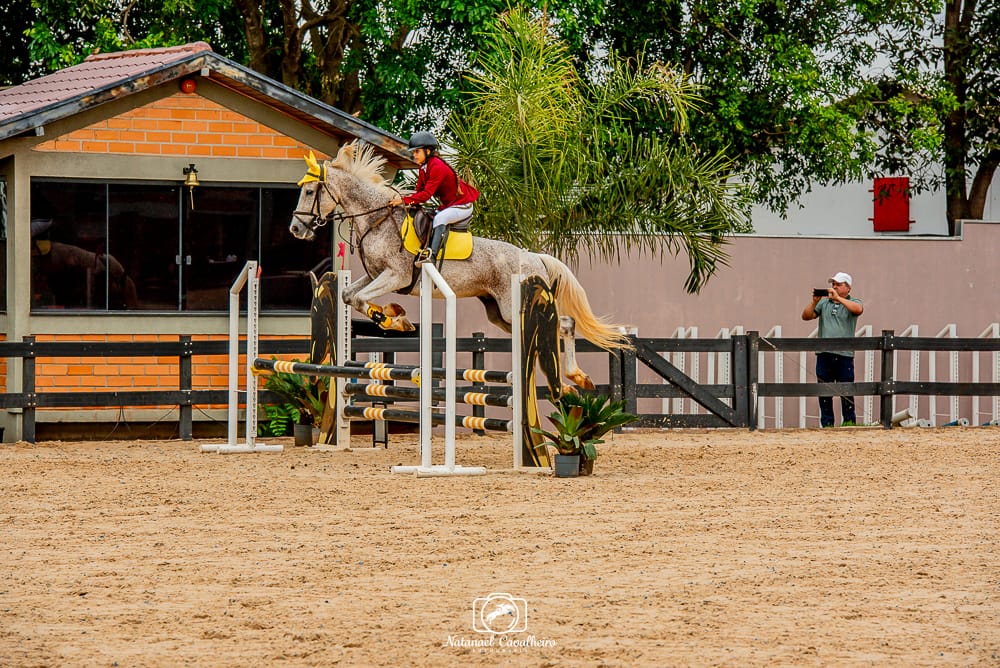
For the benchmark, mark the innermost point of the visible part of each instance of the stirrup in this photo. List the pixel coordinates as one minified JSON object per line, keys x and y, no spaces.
{"x":423,"y":256}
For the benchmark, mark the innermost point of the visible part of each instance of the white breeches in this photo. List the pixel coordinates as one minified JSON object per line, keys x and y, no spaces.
{"x":453,"y":214}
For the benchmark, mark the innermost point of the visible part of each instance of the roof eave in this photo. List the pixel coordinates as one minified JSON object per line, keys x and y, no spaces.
{"x":114,"y":91}
{"x":222,"y":68}
{"x":396,"y":148}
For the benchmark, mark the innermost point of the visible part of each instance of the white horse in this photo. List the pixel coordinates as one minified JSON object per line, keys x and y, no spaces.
{"x":355,"y":184}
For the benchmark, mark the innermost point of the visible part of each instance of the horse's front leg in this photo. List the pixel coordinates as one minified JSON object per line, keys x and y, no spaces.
{"x":567,"y":332}
{"x":362,"y":291}
{"x":353,"y":288}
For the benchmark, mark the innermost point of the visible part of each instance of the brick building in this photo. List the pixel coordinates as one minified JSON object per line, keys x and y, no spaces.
{"x":103,"y":241}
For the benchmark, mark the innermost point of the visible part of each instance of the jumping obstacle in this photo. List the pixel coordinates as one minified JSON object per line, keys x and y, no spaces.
{"x":250,"y":276}
{"x":333,"y":331}
{"x":540,"y":343}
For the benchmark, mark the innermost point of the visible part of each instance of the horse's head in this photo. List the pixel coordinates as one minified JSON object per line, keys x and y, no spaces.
{"x":353,"y":181}
{"x":313,"y":210}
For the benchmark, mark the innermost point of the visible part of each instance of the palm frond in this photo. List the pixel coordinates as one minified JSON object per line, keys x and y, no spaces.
{"x":564,"y":170}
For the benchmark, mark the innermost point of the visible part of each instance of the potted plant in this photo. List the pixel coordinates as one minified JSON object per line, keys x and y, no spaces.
{"x":580,"y":421}
{"x":304,"y":402}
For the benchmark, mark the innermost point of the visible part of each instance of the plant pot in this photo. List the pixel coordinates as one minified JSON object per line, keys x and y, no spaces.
{"x":303,"y":434}
{"x":586,"y":466}
{"x":566,"y":466}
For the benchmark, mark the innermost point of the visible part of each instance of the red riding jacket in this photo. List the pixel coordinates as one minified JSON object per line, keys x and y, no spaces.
{"x":437,"y":179}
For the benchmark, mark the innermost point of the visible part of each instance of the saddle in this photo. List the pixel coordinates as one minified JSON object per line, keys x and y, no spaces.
{"x":416,"y":233}
{"x":423,"y":219}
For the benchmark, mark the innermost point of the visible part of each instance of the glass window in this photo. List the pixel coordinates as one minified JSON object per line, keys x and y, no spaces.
{"x":286,"y":261}
{"x":144,"y":239}
{"x":69,"y":260}
{"x":219,"y":236}
{"x":114,"y":247}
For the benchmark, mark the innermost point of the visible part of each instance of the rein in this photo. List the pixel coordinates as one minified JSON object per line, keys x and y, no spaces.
{"x":358,"y":245}
{"x":316,"y":221}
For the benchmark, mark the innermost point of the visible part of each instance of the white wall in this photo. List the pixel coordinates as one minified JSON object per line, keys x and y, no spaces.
{"x":846,"y":211}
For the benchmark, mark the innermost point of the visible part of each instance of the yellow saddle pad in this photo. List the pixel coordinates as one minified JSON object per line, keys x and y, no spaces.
{"x":458,"y":246}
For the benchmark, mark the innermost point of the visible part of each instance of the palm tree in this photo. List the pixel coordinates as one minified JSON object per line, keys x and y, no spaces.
{"x":564,"y":168}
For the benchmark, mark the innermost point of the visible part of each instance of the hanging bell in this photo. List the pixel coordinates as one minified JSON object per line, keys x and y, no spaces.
{"x":191,"y":176}
{"x":191,"y":181}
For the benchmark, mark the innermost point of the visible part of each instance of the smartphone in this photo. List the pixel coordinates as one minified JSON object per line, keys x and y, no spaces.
{"x":820,"y":292}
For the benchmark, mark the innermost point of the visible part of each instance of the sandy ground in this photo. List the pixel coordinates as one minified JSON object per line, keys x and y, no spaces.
{"x":840,"y":547}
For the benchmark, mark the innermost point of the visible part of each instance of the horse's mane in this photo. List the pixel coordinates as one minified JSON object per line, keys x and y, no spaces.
{"x":360,"y":160}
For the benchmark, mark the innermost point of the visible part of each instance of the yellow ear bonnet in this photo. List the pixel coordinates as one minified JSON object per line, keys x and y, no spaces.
{"x":316,"y":171}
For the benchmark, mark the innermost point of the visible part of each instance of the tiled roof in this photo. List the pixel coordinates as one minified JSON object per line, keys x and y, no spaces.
{"x":106,"y":77}
{"x":95,"y":73}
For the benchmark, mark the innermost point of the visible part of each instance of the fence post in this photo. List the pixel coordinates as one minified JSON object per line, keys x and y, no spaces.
{"x":28,"y":389}
{"x":185,"y":425}
{"x":753,"y":368}
{"x":741,"y":380}
{"x":615,"y":384}
{"x":887,"y":386}
{"x":628,"y":378}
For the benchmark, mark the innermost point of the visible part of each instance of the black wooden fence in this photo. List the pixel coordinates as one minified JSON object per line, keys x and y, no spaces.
{"x":733,"y":404}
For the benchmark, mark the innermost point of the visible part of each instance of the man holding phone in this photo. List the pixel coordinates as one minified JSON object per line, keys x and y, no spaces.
{"x":838,"y":313}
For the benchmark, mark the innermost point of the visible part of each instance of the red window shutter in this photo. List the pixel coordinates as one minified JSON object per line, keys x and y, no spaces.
{"x":892,"y":204}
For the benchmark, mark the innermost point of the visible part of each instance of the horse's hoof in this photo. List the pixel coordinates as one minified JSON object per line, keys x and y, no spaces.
{"x":581,"y":379}
{"x":393,"y":310}
{"x":397,"y":324}
{"x":567,"y":389}
{"x":404,"y":325}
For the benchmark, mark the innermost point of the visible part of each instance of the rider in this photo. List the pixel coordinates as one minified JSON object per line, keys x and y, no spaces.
{"x":436,"y":178}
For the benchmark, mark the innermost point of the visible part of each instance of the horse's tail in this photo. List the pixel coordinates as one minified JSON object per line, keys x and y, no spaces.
{"x":571,"y":300}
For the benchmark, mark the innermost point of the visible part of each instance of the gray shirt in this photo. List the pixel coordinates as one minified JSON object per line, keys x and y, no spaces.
{"x":836,"y":322}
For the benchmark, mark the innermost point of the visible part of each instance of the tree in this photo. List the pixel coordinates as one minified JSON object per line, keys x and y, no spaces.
{"x":564,"y":169}
{"x":972,"y":127}
{"x":67,"y":31}
{"x":397,"y":63}
{"x":16,"y":16}
{"x":831,"y":91}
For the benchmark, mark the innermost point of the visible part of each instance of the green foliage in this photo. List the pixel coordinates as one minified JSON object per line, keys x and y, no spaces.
{"x":65,"y":32}
{"x":280,"y":418}
{"x":832,"y":91}
{"x":563,"y":167}
{"x":581,"y":420}
{"x":304,"y":396}
{"x":16,"y":16}
{"x":792,"y":94}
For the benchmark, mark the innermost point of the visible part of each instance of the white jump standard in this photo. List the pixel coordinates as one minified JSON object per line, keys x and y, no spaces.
{"x":430,"y":279}
{"x":250,"y":276}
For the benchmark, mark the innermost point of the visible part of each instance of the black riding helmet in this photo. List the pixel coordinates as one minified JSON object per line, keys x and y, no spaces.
{"x":423,"y":140}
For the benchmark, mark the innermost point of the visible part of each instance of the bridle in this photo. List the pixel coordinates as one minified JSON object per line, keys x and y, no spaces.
{"x":313,"y":219}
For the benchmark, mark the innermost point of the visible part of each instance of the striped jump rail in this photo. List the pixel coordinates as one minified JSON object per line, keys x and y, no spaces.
{"x":410,"y":373}
{"x":471,"y":375}
{"x":396,"y":415}
{"x":462,"y":395}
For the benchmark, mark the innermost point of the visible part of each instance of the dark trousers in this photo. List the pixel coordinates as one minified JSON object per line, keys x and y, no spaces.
{"x":831,"y":368}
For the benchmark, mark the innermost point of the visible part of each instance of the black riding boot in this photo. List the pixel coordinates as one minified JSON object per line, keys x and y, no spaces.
{"x":430,"y":253}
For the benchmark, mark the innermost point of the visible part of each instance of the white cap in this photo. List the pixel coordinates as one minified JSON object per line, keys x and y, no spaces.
{"x":842,"y":277}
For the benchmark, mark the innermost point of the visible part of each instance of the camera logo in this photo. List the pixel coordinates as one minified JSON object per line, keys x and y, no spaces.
{"x":499,"y":613}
